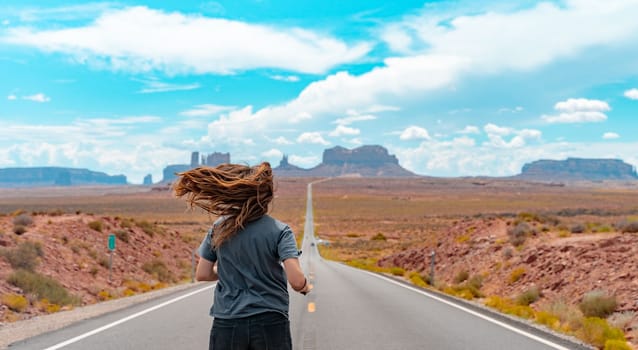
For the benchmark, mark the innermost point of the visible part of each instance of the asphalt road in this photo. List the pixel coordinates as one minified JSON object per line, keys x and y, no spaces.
{"x":348,"y":309}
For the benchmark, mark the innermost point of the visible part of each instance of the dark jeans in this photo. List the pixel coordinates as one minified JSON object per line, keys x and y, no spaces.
{"x":267,"y":331}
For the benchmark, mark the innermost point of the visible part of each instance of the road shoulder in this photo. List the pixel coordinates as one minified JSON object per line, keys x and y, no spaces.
{"x":17,"y":331}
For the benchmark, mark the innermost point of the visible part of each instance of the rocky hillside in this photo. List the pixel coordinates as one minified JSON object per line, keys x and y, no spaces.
{"x":56,"y":176}
{"x":51,"y":261}
{"x":365,"y":161}
{"x":574,"y":169}
{"x":510,"y":257}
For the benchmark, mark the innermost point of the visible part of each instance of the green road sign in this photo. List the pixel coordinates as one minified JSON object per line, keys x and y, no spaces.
{"x":111,"y":241}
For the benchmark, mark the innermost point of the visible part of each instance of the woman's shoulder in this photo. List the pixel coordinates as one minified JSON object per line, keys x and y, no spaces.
{"x":269,"y":220}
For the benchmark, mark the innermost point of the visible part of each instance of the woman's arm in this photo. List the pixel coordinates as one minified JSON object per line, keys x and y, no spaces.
{"x":206,"y":270}
{"x":295,"y":275}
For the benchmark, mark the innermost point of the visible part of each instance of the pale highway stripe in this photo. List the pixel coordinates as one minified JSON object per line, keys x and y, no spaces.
{"x":128,"y":318}
{"x":462,"y":308}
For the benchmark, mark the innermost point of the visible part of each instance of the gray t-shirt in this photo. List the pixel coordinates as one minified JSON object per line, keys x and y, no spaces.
{"x":251,"y":277}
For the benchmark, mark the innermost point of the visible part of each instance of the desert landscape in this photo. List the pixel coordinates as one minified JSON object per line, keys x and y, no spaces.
{"x":561,"y":256}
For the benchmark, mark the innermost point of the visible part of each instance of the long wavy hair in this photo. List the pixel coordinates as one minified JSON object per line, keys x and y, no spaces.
{"x":238,"y":193}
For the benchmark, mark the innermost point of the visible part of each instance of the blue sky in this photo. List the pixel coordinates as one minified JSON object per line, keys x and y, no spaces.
{"x":452,"y":88}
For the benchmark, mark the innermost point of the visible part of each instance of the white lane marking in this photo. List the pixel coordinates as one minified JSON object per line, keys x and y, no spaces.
{"x":125,"y":319}
{"x":489,"y":319}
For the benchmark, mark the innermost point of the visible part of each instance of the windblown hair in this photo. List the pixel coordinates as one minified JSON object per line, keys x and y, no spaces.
{"x":239,"y":193}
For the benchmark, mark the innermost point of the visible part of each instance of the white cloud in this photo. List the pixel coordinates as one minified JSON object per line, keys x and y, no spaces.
{"x":6,"y":22}
{"x":131,"y":120}
{"x":378,"y":109}
{"x":576,"y":117}
{"x":414,"y":133}
{"x":454,"y":47}
{"x":353,"y":117}
{"x":282,"y":141}
{"x":444,"y":158}
{"x":234,"y":127}
{"x":206,"y":110}
{"x":301,"y":116}
{"x":493,"y":129}
{"x":139,"y":39}
{"x":116,"y":146}
{"x":304,"y":162}
{"x":397,"y":39}
{"x":496,"y":134}
{"x":343,"y":130}
{"x":312,"y":137}
{"x":516,"y":109}
{"x":154,"y":85}
{"x":39,"y":97}
{"x":286,"y":78}
{"x":632,"y":94}
{"x":526,"y":38}
{"x":470,"y":129}
{"x":464,"y":141}
{"x":582,"y":104}
{"x":272,"y":153}
{"x":61,"y":13}
{"x":579,"y":110}
{"x":12,"y":97}
{"x":610,"y":136}
{"x":355,"y":141}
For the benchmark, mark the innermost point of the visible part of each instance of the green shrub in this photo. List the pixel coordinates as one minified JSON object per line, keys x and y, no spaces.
{"x":42,"y":286}
{"x":96,"y":225}
{"x":596,"y":331}
{"x":158,"y":269}
{"x":126,"y":223}
{"x":475,"y":282}
{"x":508,"y":253}
{"x":24,"y":256}
{"x":508,"y":307}
{"x":103,"y":261}
{"x":604,"y":229}
{"x":397,"y":271}
{"x":569,"y":315}
{"x":630,"y":227}
{"x":22,"y":220}
{"x":19,"y":229}
{"x":548,"y":319}
{"x":578,"y":228}
{"x":122,"y":235}
{"x":378,"y":237}
{"x":518,"y":234}
{"x":418,"y":280}
{"x":147,"y":227}
{"x":621,"y":319}
{"x":598,"y":304}
{"x":15,"y":302}
{"x":516,"y":274}
{"x":616,"y":344}
{"x":461,"y":277}
{"x":529,"y":296}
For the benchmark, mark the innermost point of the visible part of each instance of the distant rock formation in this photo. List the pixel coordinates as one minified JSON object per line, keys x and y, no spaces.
{"x":148,"y":180}
{"x":573,"y":169}
{"x":365,"y":161}
{"x":170,"y":172}
{"x":56,"y":176}
{"x":213,"y":159}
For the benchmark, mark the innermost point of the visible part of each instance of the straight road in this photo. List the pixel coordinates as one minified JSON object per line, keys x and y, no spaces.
{"x":353,"y":309}
{"x":347,"y":309}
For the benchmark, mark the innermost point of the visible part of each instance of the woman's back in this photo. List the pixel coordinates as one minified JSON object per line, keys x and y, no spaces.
{"x":251,"y":278}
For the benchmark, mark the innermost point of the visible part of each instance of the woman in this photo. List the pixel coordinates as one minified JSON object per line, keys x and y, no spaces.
{"x":243,"y":251}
